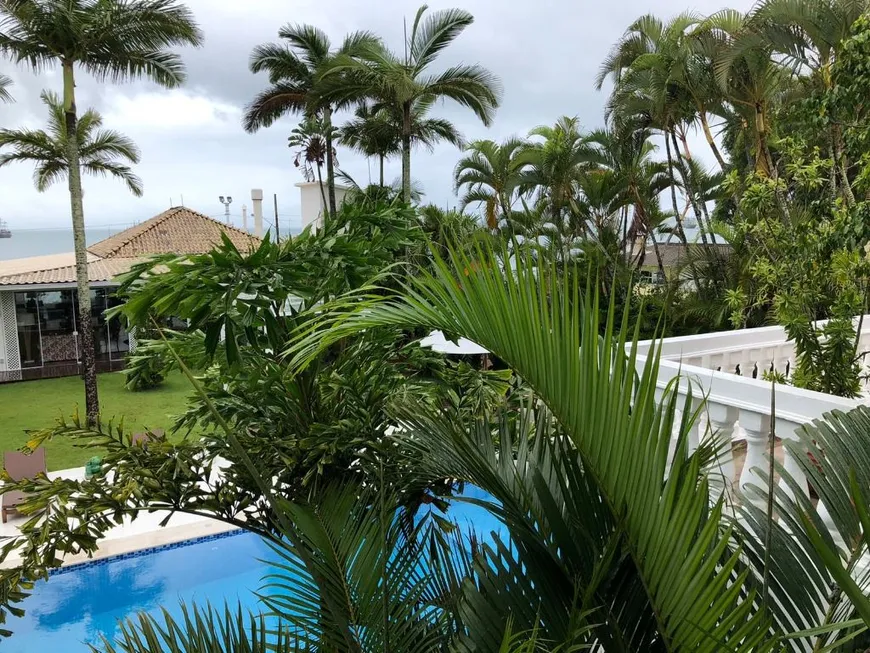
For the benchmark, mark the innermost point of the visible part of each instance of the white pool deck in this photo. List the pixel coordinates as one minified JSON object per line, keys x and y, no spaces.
{"x":143,"y":532}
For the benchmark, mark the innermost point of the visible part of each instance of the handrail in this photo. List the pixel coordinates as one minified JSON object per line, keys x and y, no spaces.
{"x":728,"y":341}
{"x":793,"y":404}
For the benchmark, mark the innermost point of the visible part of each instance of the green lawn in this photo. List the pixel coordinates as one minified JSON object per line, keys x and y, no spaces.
{"x":37,"y":404}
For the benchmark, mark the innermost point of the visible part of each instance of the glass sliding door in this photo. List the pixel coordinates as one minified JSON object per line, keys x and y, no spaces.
{"x":98,"y":323}
{"x":27,"y":314}
{"x":119,"y":339}
{"x":57,"y":323}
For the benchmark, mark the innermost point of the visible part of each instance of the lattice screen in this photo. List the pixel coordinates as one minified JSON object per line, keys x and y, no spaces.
{"x":10,"y":333}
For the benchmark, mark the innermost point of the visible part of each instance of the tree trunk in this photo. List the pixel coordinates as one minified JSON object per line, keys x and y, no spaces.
{"x":681,"y":234}
{"x":406,"y":153}
{"x":841,"y":167}
{"x":678,"y":221}
{"x":85,"y":329}
{"x":381,"y":157}
{"x":711,"y":141}
{"x":330,"y":163}
{"x":763,"y":159}
{"x":659,"y":260}
{"x":322,"y":194}
{"x":691,"y":196}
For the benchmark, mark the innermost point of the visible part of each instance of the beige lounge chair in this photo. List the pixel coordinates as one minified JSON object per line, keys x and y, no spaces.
{"x":20,"y":466}
{"x":145,"y":437}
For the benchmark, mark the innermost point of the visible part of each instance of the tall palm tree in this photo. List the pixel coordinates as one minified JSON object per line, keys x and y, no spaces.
{"x":102,"y":151}
{"x":491,"y":173}
{"x":809,"y":36}
{"x":555,"y":165}
{"x":5,"y":83}
{"x":73,"y":34}
{"x":628,"y":152}
{"x":402,"y":81}
{"x":293,"y":68}
{"x":312,"y":150}
{"x":376,"y":130}
{"x":750,"y":76}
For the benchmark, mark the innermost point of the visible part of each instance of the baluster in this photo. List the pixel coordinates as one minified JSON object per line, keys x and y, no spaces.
{"x":757,"y":428}
{"x":720,"y":427}
{"x":786,"y":431}
{"x":693,"y":436}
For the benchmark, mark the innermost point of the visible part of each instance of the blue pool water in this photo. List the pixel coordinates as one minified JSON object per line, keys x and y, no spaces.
{"x":80,"y":602}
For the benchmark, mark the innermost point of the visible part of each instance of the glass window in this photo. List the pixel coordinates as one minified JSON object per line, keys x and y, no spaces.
{"x":58,"y":326}
{"x":119,"y":339}
{"x":27,"y":314}
{"x":98,"y":323}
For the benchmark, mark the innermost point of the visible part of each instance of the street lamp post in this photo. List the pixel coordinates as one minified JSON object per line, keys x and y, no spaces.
{"x":226,"y":201}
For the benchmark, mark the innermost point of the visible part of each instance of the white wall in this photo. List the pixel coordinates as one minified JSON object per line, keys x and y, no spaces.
{"x":312,"y":202}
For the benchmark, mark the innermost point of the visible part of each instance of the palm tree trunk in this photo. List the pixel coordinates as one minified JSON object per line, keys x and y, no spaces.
{"x":330,"y":163}
{"x":381,"y":157}
{"x":840,"y":166}
{"x":689,"y":184}
{"x":86,"y":332}
{"x":406,"y":152}
{"x":711,"y":141}
{"x":322,"y":194}
{"x":763,"y":159}
{"x":659,"y":260}
{"x":677,"y":219}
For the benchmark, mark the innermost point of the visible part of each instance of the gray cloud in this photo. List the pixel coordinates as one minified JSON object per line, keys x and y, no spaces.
{"x":546,"y":53}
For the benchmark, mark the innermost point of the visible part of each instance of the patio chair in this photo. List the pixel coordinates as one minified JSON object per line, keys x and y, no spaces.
{"x":20,"y":466}
{"x":144,"y":437}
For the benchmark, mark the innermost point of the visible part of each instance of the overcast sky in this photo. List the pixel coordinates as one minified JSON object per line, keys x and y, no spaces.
{"x":546,"y":53}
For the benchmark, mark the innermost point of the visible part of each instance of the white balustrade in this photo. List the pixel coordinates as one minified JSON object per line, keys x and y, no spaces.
{"x":738,"y":404}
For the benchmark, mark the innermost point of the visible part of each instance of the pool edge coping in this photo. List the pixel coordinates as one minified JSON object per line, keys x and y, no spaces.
{"x":138,"y":553}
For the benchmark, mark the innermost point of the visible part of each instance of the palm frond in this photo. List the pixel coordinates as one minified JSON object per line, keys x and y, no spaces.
{"x":436,"y":32}
{"x":537,"y":320}
{"x":200,"y":630}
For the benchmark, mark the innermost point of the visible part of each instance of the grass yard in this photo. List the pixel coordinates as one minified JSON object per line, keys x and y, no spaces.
{"x":38,"y":404}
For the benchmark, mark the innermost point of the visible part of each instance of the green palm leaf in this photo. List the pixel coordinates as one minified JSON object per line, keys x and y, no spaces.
{"x":538,"y":321}
{"x":200,"y":630}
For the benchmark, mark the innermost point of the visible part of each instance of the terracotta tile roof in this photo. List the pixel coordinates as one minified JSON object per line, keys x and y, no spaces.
{"x":178,"y":230}
{"x":98,"y":270}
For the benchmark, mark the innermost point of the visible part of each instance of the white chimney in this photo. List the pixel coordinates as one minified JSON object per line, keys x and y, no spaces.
{"x":244,"y":217}
{"x":257,"y":199}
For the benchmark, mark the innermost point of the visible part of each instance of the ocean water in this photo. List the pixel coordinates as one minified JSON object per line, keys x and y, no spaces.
{"x":39,"y":242}
{"x":76,"y":605}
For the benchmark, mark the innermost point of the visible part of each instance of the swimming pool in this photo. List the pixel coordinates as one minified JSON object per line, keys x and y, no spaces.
{"x":80,"y":602}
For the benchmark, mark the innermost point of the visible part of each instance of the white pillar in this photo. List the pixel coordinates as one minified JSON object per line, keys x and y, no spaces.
{"x":757,"y":428}
{"x":244,"y":217}
{"x":721,"y":419}
{"x":785,"y":431}
{"x":257,"y":200}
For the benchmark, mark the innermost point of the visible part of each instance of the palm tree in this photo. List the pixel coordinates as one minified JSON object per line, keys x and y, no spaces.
{"x":555,"y":165}
{"x":402,"y":81}
{"x":376,"y":130}
{"x":311,"y":142}
{"x":294,"y":68}
{"x":73,"y":34}
{"x":491,"y":173}
{"x":5,"y":83}
{"x":627,"y":151}
{"x":750,"y":76}
{"x":809,"y":35}
{"x":102,"y":151}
